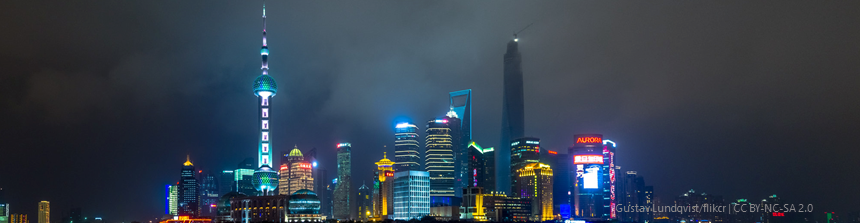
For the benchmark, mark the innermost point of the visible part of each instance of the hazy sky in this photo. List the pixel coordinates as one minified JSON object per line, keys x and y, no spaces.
{"x":100,"y":102}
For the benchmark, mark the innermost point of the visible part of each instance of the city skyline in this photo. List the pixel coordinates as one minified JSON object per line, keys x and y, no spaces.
{"x":207,"y":116}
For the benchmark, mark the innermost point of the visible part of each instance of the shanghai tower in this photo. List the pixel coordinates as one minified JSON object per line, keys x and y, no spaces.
{"x":513,"y":115}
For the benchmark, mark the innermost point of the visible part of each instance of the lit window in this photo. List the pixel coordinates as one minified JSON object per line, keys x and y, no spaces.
{"x":265,"y":136}
{"x":265,"y":124}
{"x":265,"y":147}
{"x":265,"y":101}
{"x":265,"y":113}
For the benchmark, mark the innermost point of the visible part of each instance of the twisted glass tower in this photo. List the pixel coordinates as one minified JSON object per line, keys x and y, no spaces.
{"x":265,"y":179}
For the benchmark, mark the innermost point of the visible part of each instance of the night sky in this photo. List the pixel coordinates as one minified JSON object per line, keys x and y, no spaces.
{"x":101,"y":101}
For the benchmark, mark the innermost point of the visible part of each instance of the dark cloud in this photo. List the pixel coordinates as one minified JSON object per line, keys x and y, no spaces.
{"x":102,"y":101}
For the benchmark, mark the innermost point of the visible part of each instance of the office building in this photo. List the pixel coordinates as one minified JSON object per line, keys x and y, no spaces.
{"x":383,"y":198}
{"x":524,"y":151}
{"x":536,"y":181}
{"x":172,"y":199}
{"x":342,"y":191}
{"x":365,"y":202}
{"x":44,"y":212}
{"x":461,"y":105}
{"x":630,"y":195}
{"x":503,"y":208}
{"x":482,"y":166}
{"x":208,"y":194}
{"x":18,"y":218}
{"x":513,"y":112}
{"x":439,"y":154}
{"x":188,"y":197}
{"x":243,"y":177}
{"x":411,"y":195}
{"x":295,"y":174}
{"x":265,"y":179}
{"x":324,"y":192}
{"x":560,"y":163}
{"x":304,"y":207}
{"x":4,"y":207}
{"x":226,"y":183}
{"x":591,"y":178}
{"x":406,"y":153}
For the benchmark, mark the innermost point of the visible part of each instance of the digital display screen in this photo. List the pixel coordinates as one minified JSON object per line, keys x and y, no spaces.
{"x":591,"y":177}
{"x":588,"y":159}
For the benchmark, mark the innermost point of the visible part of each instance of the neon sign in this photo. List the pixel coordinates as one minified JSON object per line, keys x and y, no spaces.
{"x":533,"y":142}
{"x":588,"y":159}
{"x":778,"y":214}
{"x":552,"y":152}
{"x":589,"y":139}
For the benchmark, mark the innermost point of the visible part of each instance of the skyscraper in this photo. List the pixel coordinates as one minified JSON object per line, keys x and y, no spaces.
{"x":513,"y":112}
{"x":341,"y":202}
{"x":411,"y":195}
{"x":591,"y":176}
{"x":188,"y":199}
{"x":208,"y":194}
{"x":4,"y":207}
{"x":384,"y":197}
{"x":18,"y":218}
{"x":265,"y":179}
{"x":439,"y":155}
{"x":524,"y":151}
{"x":406,"y":147}
{"x":461,"y":104}
{"x":296,"y":173}
{"x":172,"y":199}
{"x":244,"y":177}
{"x":536,"y":179}
{"x":44,"y":212}
{"x":482,"y":168}
{"x":225,"y":182}
{"x":365,"y":202}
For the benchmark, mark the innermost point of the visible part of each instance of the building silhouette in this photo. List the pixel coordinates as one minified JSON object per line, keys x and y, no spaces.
{"x":188,"y":197}
{"x":513,"y":112}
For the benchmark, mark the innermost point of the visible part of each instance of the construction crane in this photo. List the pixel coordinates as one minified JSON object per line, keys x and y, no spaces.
{"x":518,"y":32}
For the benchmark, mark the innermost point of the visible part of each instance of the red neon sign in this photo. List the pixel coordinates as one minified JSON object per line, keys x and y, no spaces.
{"x":588,"y":159}
{"x":389,"y":174}
{"x":552,"y":152}
{"x":589,"y":139}
{"x":778,"y":214}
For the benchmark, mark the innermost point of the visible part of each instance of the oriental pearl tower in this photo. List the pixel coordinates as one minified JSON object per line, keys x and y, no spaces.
{"x":265,"y":179}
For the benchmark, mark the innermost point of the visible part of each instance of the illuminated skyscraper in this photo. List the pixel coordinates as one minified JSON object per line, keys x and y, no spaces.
{"x":406,"y":147}
{"x":341,"y":202}
{"x":593,"y":177}
{"x":383,"y":204}
{"x":365,"y":203}
{"x":208,"y":194}
{"x":188,"y":200}
{"x":265,"y":179}
{"x":295,"y":173}
{"x":4,"y":207}
{"x":439,"y":155}
{"x":244,"y":177}
{"x":482,"y":167}
{"x":172,"y":199}
{"x":411,"y":195}
{"x":461,"y":104}
{"x":524,"y":151}
{"x":18,"y":218}
{"x":536,"y":180}
{"x":513,"y":112}
{"x":44,"y":212}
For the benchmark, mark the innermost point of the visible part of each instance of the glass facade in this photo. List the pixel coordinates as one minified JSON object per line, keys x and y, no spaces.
{"x":406,"y":147}
{"x":411,"y":195}
{"x":461,"y":105}
{"x":188,"y":197}
{"x":341,"y":201}
{"x":524,"y":151}
{"x":439,"y":155}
